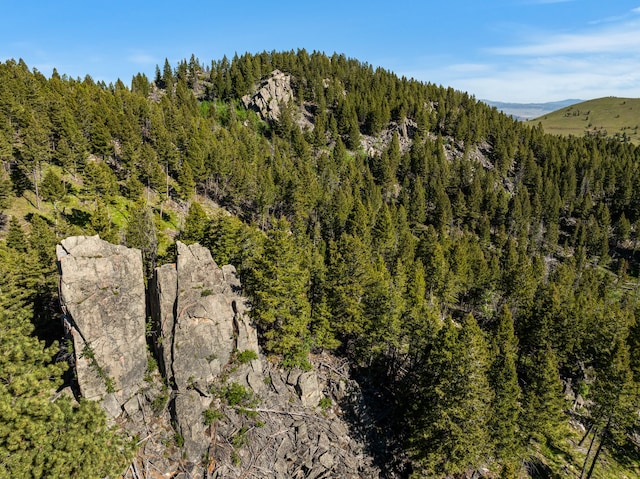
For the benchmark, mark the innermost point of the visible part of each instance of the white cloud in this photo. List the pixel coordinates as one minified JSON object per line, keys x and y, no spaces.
{"x":627,"y":39}
{"x":600,"y":60}
{"x":540,"y":79}
{"x":557,"y":78}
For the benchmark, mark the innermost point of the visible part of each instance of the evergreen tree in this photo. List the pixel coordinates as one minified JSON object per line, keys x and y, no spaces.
{"x":542,"y":417}
{"x":16,"y":237}
{"x":615,"y":396}
{"x":101,"y":223}
{"x":281,"y":307}
{"x":504,"y":382}
{"x":43,"y":434}
{"x":141,"y":233}
{"x":53,"y":189}
{"x":195,"y":224}
{"x":450,"y":429}
{"x":224,"y":236}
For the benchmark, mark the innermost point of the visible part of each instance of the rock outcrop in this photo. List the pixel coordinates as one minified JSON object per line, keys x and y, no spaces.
{"x":200,"y":315}
{"x":103,"y":300}
{"x":216,"y":408}
{"x":272,"y":92}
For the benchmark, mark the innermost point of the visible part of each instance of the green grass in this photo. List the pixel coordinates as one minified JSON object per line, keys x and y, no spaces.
{"x":78,"y":205}
{"x":567,"y":458}
{"x":609,"y":117}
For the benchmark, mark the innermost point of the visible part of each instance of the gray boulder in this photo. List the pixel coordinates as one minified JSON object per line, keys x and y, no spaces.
{"x":189,"y":408}
{"x":103,"y":300}
{"x":308,"y":389}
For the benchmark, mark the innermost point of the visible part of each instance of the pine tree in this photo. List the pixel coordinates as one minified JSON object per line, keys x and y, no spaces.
{"x":615,"y":396}
{"x":224,"y":235}
{"x":195,"y":224}
{"x":504,"y":382}
{"x":101,"y":223}
{"x":16,"y":237}
{"x":41,"y":434}
{"x":347,"y":275}
{"x":452,"y":403}
{"x":542,"y":417}
{"x":52,"y":187}
{"x":279,"y":288}
{"x":141,"y":233}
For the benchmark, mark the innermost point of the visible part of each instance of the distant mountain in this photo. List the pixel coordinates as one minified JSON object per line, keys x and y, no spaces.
{"x":526,"y":111}
{"x":609,"y":117}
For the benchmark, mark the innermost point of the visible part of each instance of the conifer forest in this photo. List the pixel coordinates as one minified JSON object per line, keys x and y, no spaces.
{"x":481,"y":276}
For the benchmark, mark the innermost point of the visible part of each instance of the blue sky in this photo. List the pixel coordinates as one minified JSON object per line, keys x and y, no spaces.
{"x":502,"y":50}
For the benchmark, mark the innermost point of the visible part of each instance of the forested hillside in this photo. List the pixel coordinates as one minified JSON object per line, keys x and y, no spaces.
{"x":481,"y":275}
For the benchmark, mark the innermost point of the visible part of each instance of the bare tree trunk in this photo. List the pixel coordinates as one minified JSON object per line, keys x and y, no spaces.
{"x":35,"y":185}
{"x":603,"y":438}
{"x":586,"y":434}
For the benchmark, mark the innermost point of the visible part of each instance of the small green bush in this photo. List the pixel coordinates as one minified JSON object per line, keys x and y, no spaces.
{"x":211,"y":416}
{"x":247,"y":356}
{"x":236,"y":394}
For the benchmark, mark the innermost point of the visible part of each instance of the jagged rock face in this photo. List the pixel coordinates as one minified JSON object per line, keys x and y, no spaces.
{"x":103,"y":298}
{"x":204,"y":319}
{"x":199,"y":312}
{"x":269,"y":95}
{"x":201,"y":319}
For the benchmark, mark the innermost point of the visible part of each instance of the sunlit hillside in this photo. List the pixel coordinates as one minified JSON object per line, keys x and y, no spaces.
{"x":605,"y":117}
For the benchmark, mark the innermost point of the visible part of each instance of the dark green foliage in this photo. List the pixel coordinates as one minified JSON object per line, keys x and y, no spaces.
{"x":100,"y":180}
{"x":194,"y":224}
{"x":40,"y":437}
{"x":102,"y":225}
{"x":141,"y":233}
{"x":503,"y":378}
{"x":279,"y":286}
{"x":452,"y":403}
{"x":544,"y":405}
{"x":41,"y":434}
{"x":16,"y":238}
{"x":52,"y":187}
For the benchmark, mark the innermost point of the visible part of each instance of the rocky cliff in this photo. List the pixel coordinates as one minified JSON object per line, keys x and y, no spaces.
{"x":216,"y":408}
{"x":103,"y":300}
{"x":269,"y":95}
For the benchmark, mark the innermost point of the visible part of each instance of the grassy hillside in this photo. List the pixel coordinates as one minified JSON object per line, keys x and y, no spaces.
{"x":606,"y":117}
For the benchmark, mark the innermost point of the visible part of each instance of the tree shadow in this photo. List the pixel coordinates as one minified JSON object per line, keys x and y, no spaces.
{"x":78,"y":217}
{"x":628,"y":454}
{"x":372,"y":414}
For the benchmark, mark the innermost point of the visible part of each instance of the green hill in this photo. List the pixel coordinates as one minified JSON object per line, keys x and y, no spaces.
{"x":609,"y":117}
